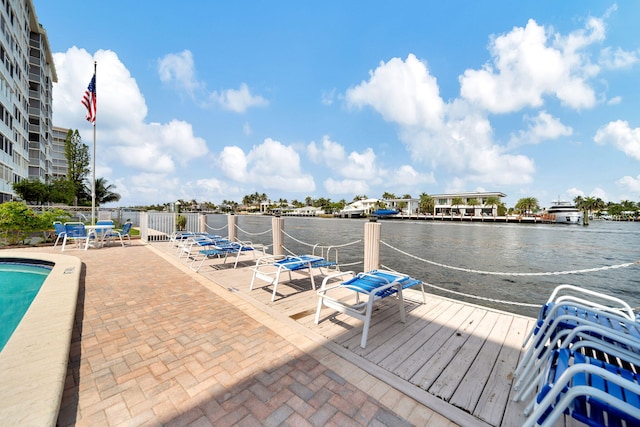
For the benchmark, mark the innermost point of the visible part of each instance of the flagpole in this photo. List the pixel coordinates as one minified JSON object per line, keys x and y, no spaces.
{"x":93,"y":168}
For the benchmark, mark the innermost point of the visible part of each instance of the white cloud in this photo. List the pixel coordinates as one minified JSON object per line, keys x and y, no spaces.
{"x":618,"y":58}
{"x":179,"y":70}
{"x":359,"y":170}
{"x":329,"y":153}
{"x":407,"y":177}
{"x":615,"y":100}
{"x":271,"y":165}
{"x":402,"y":92}
{"x":239,"y":100}
{"x":233,"y":163}
{"x":599,"y":193}
{"x":346,"y":186}
{"x":530,"y":63}
{"x":129,"y":151}
{"x":630,"y":183}
{"x":622,"y":136}
{"x":542,"y":127}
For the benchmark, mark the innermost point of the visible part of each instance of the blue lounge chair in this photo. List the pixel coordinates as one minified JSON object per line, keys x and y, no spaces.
{"x":190,"y":247}
{"x":601,"y":343}
{"x":592,"y":391}
{"x":373,"y":285}
{"x":560,"y":315}
{"x":269,"y":268}
{"x":220,"y":250}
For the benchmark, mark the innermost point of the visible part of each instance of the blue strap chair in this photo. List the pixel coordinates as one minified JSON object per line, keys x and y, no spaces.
{"x":76,"y":231}
{"x":124,"y":232}
{"x":592,"y":391}
{"x":373,"y":286}
{"x":60,"y":231}
{"x":270,"y":268}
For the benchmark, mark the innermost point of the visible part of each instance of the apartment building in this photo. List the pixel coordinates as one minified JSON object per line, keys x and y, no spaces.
{"x":60,"y":166}
{"x":27,"y":74}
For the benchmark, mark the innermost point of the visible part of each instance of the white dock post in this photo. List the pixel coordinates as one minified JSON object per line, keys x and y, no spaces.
{"x":202,"y":218}
{"x":277,"y":228}
{"x":232,"y":221}
{"x":372,"y":245}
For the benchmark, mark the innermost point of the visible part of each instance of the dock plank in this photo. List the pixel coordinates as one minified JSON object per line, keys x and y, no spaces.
{"x":456,"y":370}
{"x":498,"y":390}
{"x":422,"y":356}
{"x":470,"y":388}
{"x":447,"y":351}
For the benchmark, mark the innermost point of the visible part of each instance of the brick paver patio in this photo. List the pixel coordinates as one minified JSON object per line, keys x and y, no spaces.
{"x":154,"y":346}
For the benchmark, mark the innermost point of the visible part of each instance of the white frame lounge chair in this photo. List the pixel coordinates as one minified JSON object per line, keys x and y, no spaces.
{"x":270,"y":268}
{"x":221,"y":249}
{"x":375,"y":285}
{"x":590,"y":390}
{"x":560,"y":315}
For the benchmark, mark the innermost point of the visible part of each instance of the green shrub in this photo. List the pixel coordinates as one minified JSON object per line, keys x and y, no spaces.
{"x":18,"y":222}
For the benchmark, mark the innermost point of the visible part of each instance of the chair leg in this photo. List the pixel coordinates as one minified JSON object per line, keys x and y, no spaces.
{"x":367,"y":322}
{"x":403,"y":315}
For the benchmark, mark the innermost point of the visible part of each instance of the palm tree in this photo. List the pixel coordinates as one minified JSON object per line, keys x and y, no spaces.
{"x":494,"y":202}
{"x":455,"y":202}
{"x":426,"y":203}
{"x":473,"y":202}
{"x":104,"y":193}
{"x":527,"y":205}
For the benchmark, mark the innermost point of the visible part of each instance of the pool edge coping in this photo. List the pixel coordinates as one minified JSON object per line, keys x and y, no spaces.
{"x":33,"y":363}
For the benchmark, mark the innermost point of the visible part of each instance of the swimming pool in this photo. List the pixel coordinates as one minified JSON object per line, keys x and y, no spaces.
{"x":19,"y":285}
{"x":33,"y":362}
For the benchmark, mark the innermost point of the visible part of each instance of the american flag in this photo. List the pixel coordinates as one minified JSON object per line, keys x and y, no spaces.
{"x":89,"y":100}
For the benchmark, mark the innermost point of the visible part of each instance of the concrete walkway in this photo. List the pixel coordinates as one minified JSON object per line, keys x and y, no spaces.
{"x":156,"y":344}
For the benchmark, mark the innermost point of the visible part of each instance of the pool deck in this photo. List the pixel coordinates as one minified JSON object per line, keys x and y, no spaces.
{"x":156,"y":343}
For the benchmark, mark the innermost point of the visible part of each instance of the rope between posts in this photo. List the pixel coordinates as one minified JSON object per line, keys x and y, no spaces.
{"x":320,"y":246}
{"x":252,"y":234}
{"x":522,"y":304}
{"x":215,"y":229}
{"x":503,"y":273}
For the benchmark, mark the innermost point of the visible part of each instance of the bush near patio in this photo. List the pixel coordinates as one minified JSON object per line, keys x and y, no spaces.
{"x":19,"y":223}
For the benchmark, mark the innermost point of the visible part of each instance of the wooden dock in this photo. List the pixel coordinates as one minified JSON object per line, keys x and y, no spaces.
{"x":456,"y":358}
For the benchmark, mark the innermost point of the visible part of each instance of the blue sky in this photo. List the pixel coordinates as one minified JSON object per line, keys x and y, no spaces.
{"x":216,"y":100}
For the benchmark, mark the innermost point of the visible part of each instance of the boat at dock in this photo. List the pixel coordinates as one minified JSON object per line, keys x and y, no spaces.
{"x":561,"y":212}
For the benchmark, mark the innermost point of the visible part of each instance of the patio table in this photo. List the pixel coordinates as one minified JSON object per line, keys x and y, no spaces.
{"x":101,"y":231}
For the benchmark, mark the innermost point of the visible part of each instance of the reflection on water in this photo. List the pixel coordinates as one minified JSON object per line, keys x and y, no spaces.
{"x":523,"y":248}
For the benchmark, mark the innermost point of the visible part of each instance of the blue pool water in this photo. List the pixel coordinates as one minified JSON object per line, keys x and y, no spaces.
{"x":19,"y":285}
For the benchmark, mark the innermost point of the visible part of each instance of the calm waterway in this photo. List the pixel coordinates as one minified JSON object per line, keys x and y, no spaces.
{"x":508,"y":248}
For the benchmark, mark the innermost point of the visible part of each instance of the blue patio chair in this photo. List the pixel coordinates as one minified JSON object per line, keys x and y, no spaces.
{"x":373,"y":286}
{"x":60,"y":231}
{"x":124,"y":232}
{"x":76,"y":232}
{"x":269,"y":268}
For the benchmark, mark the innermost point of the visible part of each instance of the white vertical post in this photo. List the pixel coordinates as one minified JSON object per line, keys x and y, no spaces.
{"x":202,"y":218}
{"x":371,"y":245}
{"x":232,"y":221}
{"x":277,"y":228}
